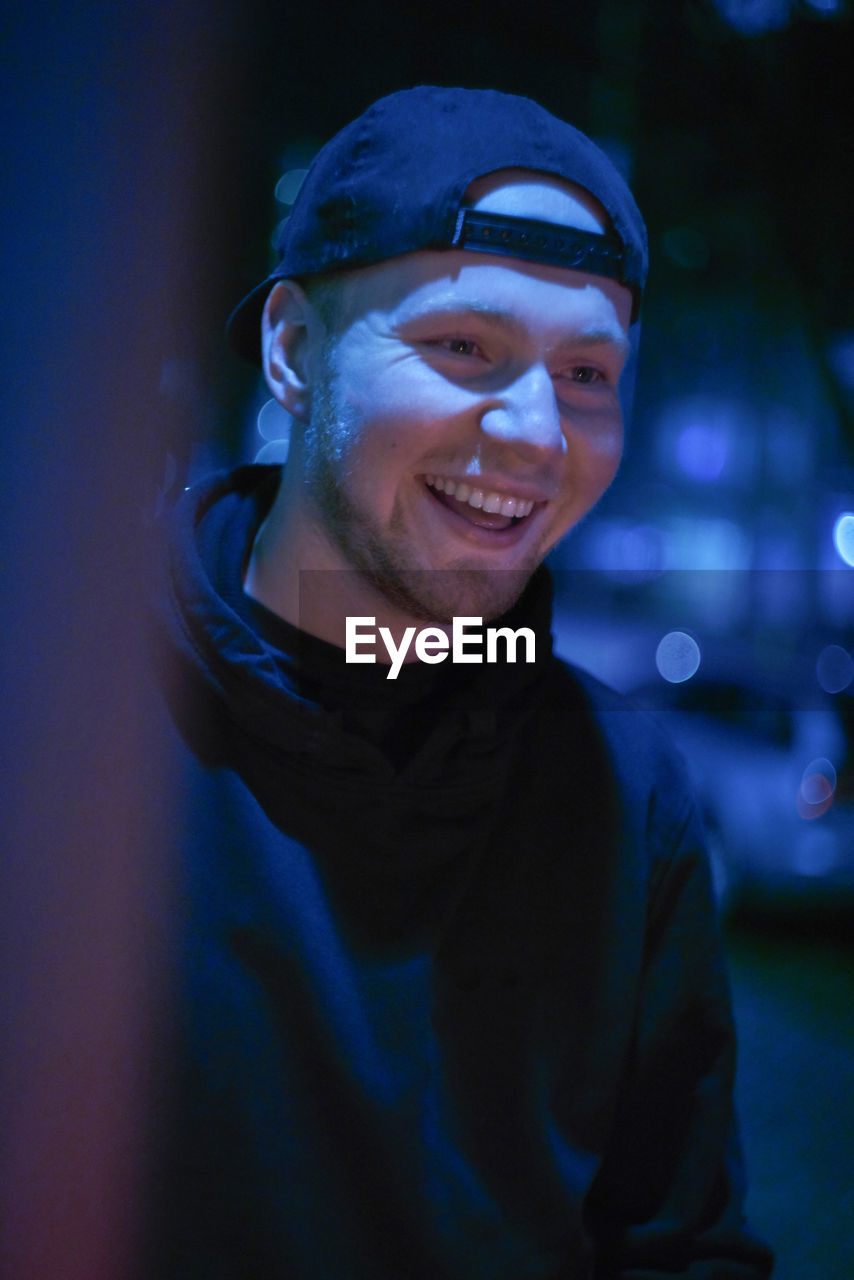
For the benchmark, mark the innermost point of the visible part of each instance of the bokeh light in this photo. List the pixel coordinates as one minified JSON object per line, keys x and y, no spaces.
{"x":677,"y":657}
{"x":274,"y":422}
{"x":815,"y":794}
{"x":843,"y":537}
{"x":702,"y":451}
{"x":834,"y":668}
{"x":287,"y":188}
{"x":626,"y":548}
{"x":710,"y":438}
{"x":274,"y":426}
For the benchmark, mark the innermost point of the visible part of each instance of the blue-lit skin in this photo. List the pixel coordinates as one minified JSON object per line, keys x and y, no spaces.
{"x":491,"y":371}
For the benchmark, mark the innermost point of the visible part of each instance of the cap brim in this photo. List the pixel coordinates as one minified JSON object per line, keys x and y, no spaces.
{"x":243,"y":326}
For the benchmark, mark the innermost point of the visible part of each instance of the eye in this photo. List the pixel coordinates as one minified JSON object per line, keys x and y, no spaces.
{"x":585,"y":374}
{"x":459,"y":346}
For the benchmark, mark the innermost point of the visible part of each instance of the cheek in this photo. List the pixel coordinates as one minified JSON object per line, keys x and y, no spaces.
{"x":596,"y":444}
{"x":608,"y":449}
{"x":592,"y":460}
{"x":405,"y":400}
{"x":601,"y":467}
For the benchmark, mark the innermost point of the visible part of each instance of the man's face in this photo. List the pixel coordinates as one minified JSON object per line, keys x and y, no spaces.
{"x":463,"y":418}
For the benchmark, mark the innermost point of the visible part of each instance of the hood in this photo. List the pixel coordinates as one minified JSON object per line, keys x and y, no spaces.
{"x":243,"y":701}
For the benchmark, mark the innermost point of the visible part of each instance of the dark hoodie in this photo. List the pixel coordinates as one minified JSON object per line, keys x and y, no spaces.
{"x":452,"y":1002}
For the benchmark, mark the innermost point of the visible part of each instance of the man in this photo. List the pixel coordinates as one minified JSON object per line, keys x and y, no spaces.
{"x":454,"y":1000}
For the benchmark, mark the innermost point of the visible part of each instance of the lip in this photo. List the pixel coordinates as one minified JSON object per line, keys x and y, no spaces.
{"x":476,"y":535}
{"x":494,"y":483}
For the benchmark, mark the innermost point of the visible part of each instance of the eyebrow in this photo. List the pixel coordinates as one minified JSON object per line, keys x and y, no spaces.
{"x":595,"y":335}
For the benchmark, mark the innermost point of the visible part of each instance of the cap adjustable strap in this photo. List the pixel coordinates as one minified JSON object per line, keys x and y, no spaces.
{"x":548,"y":242}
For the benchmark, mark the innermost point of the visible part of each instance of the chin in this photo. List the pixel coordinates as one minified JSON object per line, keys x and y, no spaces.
{"x":440,"y":595}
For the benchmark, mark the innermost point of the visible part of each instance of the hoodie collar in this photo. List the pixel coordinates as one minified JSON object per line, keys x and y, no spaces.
{"x":291,"y":688}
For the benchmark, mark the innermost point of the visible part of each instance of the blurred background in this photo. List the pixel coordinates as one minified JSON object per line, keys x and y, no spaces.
{"x":715,"y":582}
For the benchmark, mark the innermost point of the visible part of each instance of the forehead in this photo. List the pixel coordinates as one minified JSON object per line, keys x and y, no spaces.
{"x":552,"y":302}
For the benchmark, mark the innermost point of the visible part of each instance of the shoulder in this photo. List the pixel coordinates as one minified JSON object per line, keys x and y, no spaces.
{"x":633,"y":737}
{"x":647,"y":774}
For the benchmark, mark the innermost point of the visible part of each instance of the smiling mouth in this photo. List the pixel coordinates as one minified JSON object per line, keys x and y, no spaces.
{"x":481,"y":507}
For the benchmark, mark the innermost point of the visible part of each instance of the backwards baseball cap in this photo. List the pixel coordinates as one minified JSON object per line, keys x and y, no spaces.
{"x":394,"y":180}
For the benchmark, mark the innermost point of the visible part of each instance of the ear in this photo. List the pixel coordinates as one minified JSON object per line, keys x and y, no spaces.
{"x":288,"y":329}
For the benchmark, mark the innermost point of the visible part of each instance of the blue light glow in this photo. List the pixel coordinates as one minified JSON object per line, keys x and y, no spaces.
{"x":625,"y":548}
{"x":274,"y":426}
{"x":843,"y":537}
{"x":289,"y":184}
{"x":706,"y":543}
{"x":815,"y":794}
{"x":816,"y":853}
{"x":842,"y":358}
{"x":834,"y":668}
{"x":274,"y":422}
{"x":677,"y":657}
{"x":275,"y":452}
{"x":702,"y":451}
{"x":752,"y":17}
{"x":819,"y":781}
{"x":710,"y":438}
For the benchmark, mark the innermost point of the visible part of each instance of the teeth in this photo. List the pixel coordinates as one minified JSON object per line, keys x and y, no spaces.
{"x":493,"y":503}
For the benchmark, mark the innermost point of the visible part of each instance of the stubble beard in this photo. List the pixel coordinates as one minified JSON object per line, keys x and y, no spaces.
{"x":379,"y":554}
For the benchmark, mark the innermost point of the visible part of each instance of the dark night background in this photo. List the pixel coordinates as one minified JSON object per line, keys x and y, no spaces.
{"x":144,"y":144}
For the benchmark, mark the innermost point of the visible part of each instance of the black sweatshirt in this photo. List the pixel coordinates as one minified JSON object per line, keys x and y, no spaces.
{"x":452,"y":1002}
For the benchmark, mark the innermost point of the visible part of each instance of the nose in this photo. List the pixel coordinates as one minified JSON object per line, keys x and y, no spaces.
{"x":525,"y":415}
